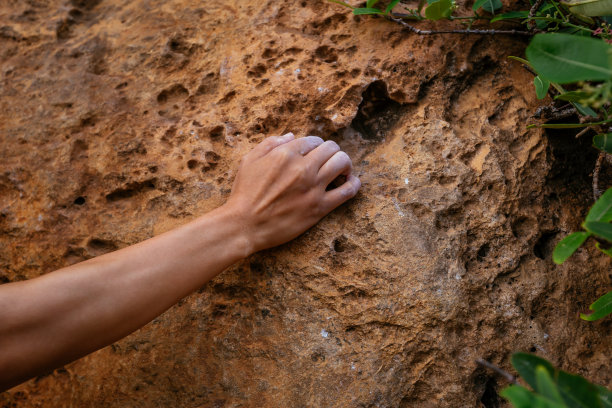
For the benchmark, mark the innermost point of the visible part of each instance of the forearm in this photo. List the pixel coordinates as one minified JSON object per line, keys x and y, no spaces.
{"x":280,"y":190}
{"x":69,"y":313}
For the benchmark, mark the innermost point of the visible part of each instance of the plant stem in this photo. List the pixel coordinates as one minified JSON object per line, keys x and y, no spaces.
{"x":568,"y":125}
{"x":417,"y":17}
{"x":554,"y":3}
{"x":480,"y":32}
{"x":468,"y":18}
{"x":556,"y":20}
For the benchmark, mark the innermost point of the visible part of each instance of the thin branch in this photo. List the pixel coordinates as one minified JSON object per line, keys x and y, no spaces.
{"x":583,"y":132}
{"x":531,"y":24}
{"x":596,"y":191}
{"x":550,"y":112}
{"x":480,"y":32}
{"x":498,"y":370}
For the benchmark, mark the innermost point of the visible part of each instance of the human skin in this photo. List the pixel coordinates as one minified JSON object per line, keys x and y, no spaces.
{"x":279,"y":192}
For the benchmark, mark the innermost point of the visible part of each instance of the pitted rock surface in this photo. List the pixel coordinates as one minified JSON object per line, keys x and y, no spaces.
{"x":121,"y":120}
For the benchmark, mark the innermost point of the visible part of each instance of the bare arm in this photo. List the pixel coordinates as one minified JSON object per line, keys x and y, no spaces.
{"x":279,"y":192}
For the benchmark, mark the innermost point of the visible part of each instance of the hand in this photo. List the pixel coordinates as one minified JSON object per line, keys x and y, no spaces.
{"x":280,"y":188}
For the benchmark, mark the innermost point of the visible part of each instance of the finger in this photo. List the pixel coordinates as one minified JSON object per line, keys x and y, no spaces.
{"x":270,"y":143}
{"x":322,"y":154}
{"x":305,"y":145}
{"x":339,"y":164}
{"x":333,"y":198}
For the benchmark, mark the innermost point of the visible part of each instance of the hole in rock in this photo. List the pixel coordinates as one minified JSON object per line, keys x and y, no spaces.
{"x":545,"y":245}
{"x":101,"y":246}
{"x":571,"y":173}
{"x":340,"y":244}
{"x":192,"y":164}
{"x":483,"y":252}
{"x":490,"y":398}
{"x":172,"y":94}
{"x":79,"y":200}
{"x":130,"y":190}
{"x":217,"y":132}
{"x":377,"y":112}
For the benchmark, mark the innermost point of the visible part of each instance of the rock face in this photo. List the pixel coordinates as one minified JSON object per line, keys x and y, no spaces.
{"x":120,"y":120}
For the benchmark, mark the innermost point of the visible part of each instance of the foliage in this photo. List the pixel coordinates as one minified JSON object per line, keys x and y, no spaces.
{"x":597,"y":224}
{"x":553,"y":388}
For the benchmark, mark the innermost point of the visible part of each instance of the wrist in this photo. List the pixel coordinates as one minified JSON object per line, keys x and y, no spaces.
{"x":241,"y":236}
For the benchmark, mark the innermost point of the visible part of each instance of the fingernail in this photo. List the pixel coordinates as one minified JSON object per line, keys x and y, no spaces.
{"x":288,"y":135}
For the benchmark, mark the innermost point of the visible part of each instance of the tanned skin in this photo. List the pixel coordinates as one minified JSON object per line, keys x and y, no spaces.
{"x":279,"y":192}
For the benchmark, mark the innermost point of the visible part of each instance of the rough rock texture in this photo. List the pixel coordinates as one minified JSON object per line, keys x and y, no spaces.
{"x":120,"y":120}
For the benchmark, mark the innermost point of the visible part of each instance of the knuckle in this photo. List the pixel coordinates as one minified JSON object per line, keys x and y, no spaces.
{"x":270,"y":140}
{"x":316,"y":140}
{"x":331,"y":145}
{"x":343,"y":157}
{"x":283,"y":153}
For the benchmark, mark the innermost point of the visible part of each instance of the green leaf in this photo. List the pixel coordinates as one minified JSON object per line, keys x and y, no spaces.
{"x":584,"y":110}
{"x":568,"y":245}
{"x":492,"y":6}
{"x":541,"y":86}
{"x":605,"y":396}
{"x":605,"y":251}
{"x":520,"y":397}
{"x":371,"y":3}
{"x":572,"y":96}
{"x":510,"y":15}
{"x":603,"y":142}
{"x":526,"y":365}
{"x":576,"y":391}
{"x":391,"y":5}
{"x":602,"y":307}
{"x":439,"y":9}
{"x":601,"y":229}
{"x":487,"y":5}
{"x":567,"y":58}
{"x":591,"y":8}
{"x":366,"y":10}
{"x":546,"y":385}
{"x":602,"y":209}
{"x":553,"y":388}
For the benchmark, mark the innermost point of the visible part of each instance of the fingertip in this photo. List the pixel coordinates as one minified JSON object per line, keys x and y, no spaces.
{"x":317,"y":138}
{"x":287,"y":136}
{"x":355,"y":183}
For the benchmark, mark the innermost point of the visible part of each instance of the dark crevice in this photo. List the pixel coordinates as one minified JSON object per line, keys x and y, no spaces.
{"x":544,"y":246}
{"x":490,"y":398}
{"x":377,"y":112}
{"x":131,"y":190}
